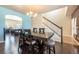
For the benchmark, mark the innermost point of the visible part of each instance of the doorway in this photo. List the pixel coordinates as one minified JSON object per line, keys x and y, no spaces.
{"x":13,"y":21}
{"x":74,"y":31}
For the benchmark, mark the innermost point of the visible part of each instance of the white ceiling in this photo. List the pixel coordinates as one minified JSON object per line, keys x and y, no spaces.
{"x":34,"y":8}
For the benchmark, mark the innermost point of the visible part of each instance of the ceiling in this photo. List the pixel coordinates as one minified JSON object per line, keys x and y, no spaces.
{"x":34,"y":8}
{"x":71,"y":9}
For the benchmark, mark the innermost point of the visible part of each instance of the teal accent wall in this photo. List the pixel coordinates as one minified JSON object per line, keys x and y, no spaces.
{"x":26,"y":23}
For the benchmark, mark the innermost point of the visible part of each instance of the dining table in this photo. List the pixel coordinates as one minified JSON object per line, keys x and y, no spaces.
{"x":42,"y":37}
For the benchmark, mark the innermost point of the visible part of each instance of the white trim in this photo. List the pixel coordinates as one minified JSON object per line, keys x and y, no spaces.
{"x":2,"y":41}
{"x":67,"y":35}
{"x":13,"y":17}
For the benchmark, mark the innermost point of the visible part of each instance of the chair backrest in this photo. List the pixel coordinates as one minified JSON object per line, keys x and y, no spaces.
{"x":35,"y":30}
{"x":25,"y":32}
{"x":42,"y":30}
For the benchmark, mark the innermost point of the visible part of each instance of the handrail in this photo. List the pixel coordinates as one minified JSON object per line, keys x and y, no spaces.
{"x":51,"y":36}
{"x":52,"y":23}
{"x":53,"y":30}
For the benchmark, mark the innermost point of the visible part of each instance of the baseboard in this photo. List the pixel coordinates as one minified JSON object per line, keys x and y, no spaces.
{"x":2,"y":41}
{"x":75,"y":41}
{"x":70,"y":36}
{"x":64,"y":36}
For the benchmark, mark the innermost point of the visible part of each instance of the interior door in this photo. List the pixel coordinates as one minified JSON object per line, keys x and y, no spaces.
{"x":77,"y":29}
{"x":77,"y":25}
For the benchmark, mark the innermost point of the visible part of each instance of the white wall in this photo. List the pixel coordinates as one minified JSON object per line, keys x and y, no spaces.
{"x":37,"y":21}
{"x":59,"y":17}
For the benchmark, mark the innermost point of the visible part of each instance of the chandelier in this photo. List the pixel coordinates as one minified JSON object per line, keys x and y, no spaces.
{"x":32,"y":14}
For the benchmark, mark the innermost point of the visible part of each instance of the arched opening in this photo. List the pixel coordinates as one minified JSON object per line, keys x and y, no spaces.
{"x":13,"y":21}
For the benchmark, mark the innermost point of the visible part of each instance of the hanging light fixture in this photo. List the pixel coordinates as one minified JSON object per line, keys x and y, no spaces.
{"x":32,"y":14}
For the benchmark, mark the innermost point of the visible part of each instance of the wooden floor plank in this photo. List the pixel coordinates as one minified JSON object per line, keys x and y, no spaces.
{"x":11,"y":45}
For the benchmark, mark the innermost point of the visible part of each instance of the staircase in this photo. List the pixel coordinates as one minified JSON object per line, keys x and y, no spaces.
{"x":57,"y":30}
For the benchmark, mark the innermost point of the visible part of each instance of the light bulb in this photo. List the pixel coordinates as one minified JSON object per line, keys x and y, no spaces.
{"x":31,"y":12}
{"x":28,"y":14}
{"x":35,"y":15}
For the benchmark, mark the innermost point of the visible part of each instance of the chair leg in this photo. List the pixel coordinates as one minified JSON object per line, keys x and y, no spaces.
{"x":49,"y":50}
{"x":33,"y":49}
{"x":76,"y":36}
{"x":18,"y":50}
{"x":54,"y":49}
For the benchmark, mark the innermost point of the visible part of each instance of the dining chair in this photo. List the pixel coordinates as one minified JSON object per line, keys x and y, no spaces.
{"x":42,"y":30}
{"x":35,"y":30}
{"x":28,"y":45}
{"x":22,"y":45}
{"x":49,"y":45}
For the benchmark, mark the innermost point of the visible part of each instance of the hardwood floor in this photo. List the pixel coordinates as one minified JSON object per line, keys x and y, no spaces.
{"x":66,"y":49}
{"x":11,"y":46}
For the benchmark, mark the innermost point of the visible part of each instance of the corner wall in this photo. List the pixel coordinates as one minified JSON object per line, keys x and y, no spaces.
{"x":59,"y":17}
{"x":26,"y":24}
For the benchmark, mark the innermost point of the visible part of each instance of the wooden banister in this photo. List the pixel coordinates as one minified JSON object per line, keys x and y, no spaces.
{"x":54,"y":30}
{"x":52,"y":22}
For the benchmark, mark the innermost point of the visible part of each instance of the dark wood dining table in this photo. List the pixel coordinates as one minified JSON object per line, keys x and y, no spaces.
{"x":42,"y":36}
